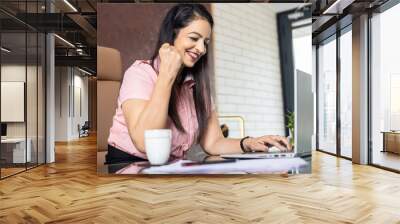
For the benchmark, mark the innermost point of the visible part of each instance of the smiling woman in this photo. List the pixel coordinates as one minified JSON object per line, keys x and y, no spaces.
{"x":172,"y":91}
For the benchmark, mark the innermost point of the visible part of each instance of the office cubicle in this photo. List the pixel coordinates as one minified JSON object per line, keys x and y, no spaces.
{"x":22,"y":88}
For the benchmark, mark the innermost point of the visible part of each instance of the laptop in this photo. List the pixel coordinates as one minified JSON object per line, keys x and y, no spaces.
{"x":304,"y":123}
{"x":274,"y":153}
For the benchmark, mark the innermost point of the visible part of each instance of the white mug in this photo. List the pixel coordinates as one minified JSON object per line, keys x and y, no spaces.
{"x":157,"y":143}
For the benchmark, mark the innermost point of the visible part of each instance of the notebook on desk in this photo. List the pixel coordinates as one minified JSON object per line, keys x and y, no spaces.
{"x":255,"y":166}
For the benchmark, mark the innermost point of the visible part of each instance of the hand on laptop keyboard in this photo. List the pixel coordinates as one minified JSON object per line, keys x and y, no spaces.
{"x":267,"y":143}
{"x":276,"y":149}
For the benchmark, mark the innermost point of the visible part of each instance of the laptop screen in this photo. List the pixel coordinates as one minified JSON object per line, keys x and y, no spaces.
{"x":304,"y":117}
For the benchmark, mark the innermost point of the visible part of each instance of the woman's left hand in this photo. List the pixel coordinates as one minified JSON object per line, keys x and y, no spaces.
{"x":264,"y":143}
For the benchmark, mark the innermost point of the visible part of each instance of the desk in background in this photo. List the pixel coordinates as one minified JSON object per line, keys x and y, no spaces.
{"x":391,"y":141}
{"x":13,"y":150}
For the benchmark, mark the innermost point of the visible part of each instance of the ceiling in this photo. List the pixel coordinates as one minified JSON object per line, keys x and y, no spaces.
{"x":76,"y":24}
{"x":72,"y":20}
{"x":279,"y":7}
{"x":332,"y":15}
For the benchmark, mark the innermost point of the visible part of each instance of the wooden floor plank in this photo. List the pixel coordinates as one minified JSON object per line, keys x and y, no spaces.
{"x":70,"y":191}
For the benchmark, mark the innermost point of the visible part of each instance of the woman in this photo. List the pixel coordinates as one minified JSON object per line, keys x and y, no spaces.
{"x":172,"y":90}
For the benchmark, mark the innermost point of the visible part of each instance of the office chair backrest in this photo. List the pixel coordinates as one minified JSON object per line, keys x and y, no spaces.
{"x":86,"y":125}
{"x":109,"y":77}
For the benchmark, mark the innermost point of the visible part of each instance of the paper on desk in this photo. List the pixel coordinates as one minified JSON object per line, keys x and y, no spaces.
{"x":240,"y":166}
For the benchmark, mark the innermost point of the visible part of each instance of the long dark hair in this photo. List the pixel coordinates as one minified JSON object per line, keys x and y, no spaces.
{"x":178,"y":17}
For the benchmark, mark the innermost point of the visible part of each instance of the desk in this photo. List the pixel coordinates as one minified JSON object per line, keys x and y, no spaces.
{"x":250,"y":166}
{"x":16,"y":148}
{"x":391,"y":141}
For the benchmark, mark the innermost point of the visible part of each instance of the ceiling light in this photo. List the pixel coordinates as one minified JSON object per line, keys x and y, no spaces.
{"x":5,"y":50}
{"x":302,"y":22}
{"x":296,"y":15}
{"x":71,"y":6}
{"x":84,"y":71}
{"x":65,"y":41}
{"x":333,"y":6}
{"x":338,"y":6}
{"x":79,"y":51}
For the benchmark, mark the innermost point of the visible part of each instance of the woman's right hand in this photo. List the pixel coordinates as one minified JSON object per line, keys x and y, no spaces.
{"x":264,"y":143}
{"x":171,"y":61}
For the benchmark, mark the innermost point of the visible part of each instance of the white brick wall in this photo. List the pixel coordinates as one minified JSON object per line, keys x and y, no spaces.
{"x":247,"y":72}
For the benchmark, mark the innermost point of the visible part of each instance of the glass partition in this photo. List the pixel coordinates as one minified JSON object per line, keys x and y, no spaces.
{"x":346,"y":93}
{"x":41,"y":109}
{"x":327,"y":96}
{"x":22,"y":88}
{"x":385,"y":89}
{"x":31,"y":100}
{"x":32,"y":86}
{"x":13,"y":104}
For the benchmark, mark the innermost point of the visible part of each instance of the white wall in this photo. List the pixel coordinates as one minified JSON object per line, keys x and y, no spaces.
{"x":62,"y":81}
{"x":15,"y":72}
{"x":80,"y":84}
{"x":68,"y":83}
{"x":12,"y":73}
{"x":247,"y":68}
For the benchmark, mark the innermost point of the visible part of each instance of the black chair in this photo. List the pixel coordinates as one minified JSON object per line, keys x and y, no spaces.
{"x":84,"y":130}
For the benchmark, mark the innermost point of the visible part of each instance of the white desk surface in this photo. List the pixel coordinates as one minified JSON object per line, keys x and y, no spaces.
{"x":254,"y":166}
{"x":13,"y":140}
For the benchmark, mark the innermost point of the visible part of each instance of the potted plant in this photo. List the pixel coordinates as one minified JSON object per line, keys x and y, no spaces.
{"x":290,"y":125}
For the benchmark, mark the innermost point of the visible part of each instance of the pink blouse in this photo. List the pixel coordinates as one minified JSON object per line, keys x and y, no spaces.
{"x":138,"y":83}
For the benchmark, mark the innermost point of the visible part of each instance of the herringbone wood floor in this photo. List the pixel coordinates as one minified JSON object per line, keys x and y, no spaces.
{"x":70,"y":191}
